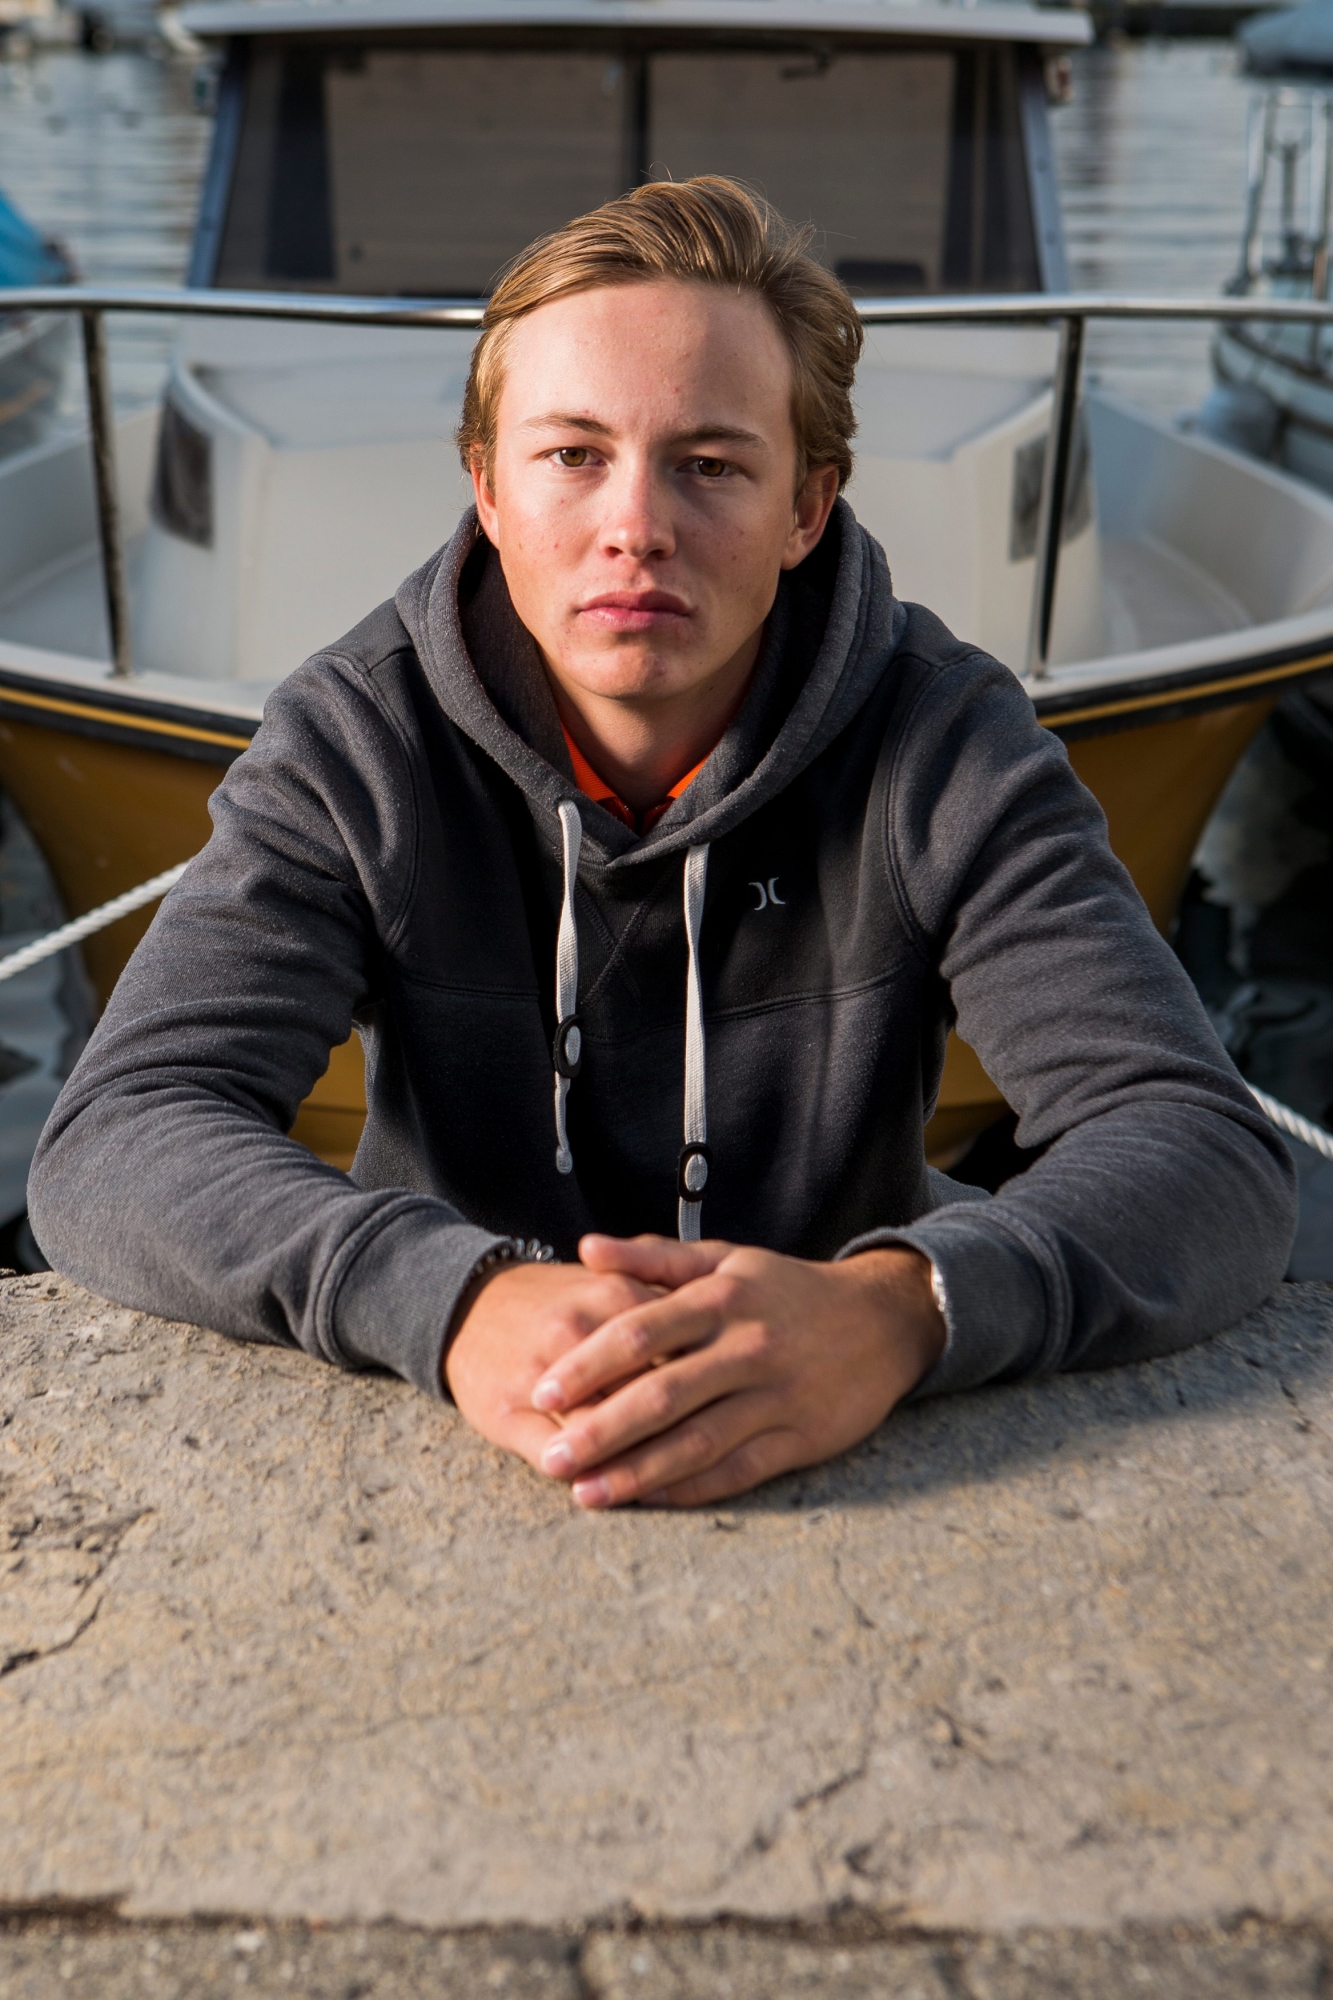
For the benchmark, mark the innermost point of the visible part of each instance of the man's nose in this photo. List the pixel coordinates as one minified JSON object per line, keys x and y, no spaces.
{"x":637,"y":522}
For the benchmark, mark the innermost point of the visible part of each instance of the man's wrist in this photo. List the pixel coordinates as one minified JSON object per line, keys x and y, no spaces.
{"x":910,"y":1298}
{"x":505,"y":1256}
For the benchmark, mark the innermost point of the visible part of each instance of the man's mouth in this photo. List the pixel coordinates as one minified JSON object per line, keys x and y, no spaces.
{"x":635,"y":610}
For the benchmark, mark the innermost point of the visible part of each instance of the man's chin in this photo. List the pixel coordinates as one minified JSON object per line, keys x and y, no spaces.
{"x":629,"y":673}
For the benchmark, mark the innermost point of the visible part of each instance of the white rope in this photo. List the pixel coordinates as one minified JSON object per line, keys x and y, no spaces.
{"x":569,"y":1041}
{"x":694,"y":1157}
{"x":1287,"y":1120}
{"x":94,"y":920}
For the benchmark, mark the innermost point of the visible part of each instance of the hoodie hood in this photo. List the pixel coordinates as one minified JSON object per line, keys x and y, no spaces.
{"x":833,"y":632}
{"x":836,"y":610}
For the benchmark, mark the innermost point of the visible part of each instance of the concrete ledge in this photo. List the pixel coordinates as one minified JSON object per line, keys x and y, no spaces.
{"x":110,"y":1960}
{"x":282,"y":1646}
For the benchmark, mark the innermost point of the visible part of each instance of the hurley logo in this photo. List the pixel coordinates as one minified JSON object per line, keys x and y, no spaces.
{"x":768,"y":893}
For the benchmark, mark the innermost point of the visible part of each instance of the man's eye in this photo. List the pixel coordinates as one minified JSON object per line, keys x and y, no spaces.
{"x":709,"y":468}
{"x":572,"y":455}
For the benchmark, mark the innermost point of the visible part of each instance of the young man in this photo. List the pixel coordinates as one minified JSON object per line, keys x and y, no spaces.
{"x":648,"y":776}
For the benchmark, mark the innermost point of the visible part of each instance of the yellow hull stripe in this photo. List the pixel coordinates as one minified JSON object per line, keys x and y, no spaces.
{"x":122,"y":719}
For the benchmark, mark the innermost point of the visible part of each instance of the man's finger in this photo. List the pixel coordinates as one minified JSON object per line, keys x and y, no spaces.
{"x":651,"y":1404}
{"x":628,"y":1344}
{"x":758,"y":1459}
{"x":687,"y":1451}
{"x":527,"y":1434}
{"x":653,"y":1260}
{"x":575,"y":1318}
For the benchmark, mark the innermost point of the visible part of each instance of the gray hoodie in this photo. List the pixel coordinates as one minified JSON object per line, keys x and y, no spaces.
{"x":755,"y":998}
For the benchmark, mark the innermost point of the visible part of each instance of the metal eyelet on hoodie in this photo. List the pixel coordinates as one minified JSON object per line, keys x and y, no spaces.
{"x":695,"y":1162}
{"x":567,"y":1048}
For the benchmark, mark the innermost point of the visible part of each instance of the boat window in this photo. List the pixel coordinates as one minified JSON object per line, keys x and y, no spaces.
{"x":422,"y":171}
{"x":182,"y":497}
{"x":858,"y":144}
{"x":419,"y":172}
{"x":442,"y":167}
{"x":1025,"y":501}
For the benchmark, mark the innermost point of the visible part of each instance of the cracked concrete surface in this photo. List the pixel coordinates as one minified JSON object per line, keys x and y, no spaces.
{"x":290,"y":1646}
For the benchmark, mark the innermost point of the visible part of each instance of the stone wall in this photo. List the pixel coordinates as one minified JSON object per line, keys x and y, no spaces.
{"x":1036,"y":1678}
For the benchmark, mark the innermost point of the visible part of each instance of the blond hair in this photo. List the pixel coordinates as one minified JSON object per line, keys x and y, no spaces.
{"x":706,"y":231}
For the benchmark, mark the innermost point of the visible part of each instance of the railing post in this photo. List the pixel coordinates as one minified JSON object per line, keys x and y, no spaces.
{"x":1258,"y":148}
{"x":1054,"y":491}
{"x":1319,"y":270}
{"x":101,"y":420}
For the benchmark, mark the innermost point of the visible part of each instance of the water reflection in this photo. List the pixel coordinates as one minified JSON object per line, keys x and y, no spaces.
{"x":106,"y":152}
{"x":1150,"y":156}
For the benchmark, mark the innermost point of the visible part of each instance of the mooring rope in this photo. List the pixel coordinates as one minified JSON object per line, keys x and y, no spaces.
{"x":94,"y":920}
{"x":1287,"y":1120}
{"x":1280,"y":1114}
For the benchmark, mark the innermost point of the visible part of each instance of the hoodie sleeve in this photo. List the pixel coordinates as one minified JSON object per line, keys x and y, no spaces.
{"x":1164,"y":1207}
{"x":164,"y":1178}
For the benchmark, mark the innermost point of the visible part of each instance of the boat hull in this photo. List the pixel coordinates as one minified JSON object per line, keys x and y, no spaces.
{"x":116,"y":790}
{"x":110,"y":810}
{"x":1157,"y":783}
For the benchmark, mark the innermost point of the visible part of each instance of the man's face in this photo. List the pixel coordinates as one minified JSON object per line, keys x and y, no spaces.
{"x":642,"y":497}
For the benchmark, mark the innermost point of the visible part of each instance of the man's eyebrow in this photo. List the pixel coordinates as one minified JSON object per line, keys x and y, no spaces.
{"x":718,"y":434}
{"x":698,"y":434}
{"x":566,"y":419}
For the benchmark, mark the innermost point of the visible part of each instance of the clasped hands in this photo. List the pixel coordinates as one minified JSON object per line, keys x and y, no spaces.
{"x":679,"y":1374}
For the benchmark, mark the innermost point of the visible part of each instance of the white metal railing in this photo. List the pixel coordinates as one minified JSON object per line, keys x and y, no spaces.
{"x":1067,"y":312}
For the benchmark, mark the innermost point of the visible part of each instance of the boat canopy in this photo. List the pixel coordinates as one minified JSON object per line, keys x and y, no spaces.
{"x":998,"y":21}
{"x":1296,"y":41}
{"x":26,"y":258}
{"x":417,"y":164}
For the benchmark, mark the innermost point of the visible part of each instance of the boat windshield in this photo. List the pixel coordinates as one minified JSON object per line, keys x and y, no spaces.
{"x":421,"y":171}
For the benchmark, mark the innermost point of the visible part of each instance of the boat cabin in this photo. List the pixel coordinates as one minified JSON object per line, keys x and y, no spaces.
{"x":387,"y":158}
{"x":411,"y":148}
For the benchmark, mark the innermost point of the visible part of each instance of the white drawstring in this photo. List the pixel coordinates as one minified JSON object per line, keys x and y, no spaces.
{"x":692,"y":1170}
{"x":567,"y":1049}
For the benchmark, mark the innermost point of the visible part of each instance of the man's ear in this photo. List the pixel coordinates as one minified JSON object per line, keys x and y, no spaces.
{"x":485,"y":499}
{"x":814,"y":504}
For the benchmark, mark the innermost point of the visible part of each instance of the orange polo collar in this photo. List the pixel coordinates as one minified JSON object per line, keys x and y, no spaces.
{"x":602,"y":794}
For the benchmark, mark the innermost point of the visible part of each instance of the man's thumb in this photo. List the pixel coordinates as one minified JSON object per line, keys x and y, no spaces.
{"x":654,"y":1260}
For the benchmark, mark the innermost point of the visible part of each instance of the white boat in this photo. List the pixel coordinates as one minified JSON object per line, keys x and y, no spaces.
{"x":1274,"y":384}
{"x":297,"y":471}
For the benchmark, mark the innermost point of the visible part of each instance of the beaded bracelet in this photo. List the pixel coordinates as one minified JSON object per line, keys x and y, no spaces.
{"x":514,"y":1250}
